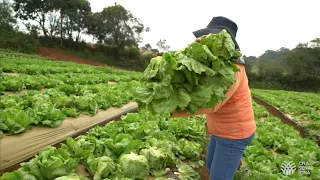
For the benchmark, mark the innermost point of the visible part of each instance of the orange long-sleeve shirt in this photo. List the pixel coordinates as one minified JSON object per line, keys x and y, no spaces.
{"x":233,"y":118}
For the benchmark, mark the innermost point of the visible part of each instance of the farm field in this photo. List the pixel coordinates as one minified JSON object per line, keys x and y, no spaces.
{"x":151,"y":144}
{"x":38,"y":92}
{"x":275,"y":143}
{"x":302,"y":108}
{"x":101,"y":90}
{"x":138,"y":146}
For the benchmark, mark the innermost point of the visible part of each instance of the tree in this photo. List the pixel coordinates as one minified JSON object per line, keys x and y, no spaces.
{"x":271,"y":55}
{"x":75,"y":14}
{"x":302,"y":45}
{"x":250,"y":61}
{"x":32,"y":29}
{"x":6,"y":13}
{"x":94,"y":26}
{"x":147,"y":47}
{"x":53,"y":19}
{"x":81,"y":16}
{"x":304,"y":62}
{"x":156,"y":51}
{"x":315,"y":42}
{"x":162,"y":45}
{"x":116,"y":26}
{"x":35,"y":10}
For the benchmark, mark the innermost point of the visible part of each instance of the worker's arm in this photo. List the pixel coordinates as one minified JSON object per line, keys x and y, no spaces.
{"x":229,"y":94}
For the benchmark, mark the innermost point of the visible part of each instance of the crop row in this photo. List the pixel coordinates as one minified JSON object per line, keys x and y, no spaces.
{"x":17,"y":83}
{"x":140,"y":146}
{"x":275,"y":143}
{"x":36,"y":74}
{"x":43,"y":66}
{"x":52,"y":106}
{"x":304,"y":107}
{"x":11,"y":53}
{"x":143,"y":144}
{"x":56,"y":90}
{"x":306,"y":99}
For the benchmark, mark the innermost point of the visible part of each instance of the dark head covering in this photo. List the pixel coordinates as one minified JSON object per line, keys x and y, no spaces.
{"x":216,"y":25}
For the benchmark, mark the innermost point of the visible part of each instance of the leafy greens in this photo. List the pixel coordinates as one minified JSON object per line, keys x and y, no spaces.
{"x":197,"y":76}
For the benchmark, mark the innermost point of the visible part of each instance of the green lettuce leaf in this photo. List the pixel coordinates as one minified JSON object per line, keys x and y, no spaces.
{"x":193,"y":65}
{"x":159,"y":70}
{"x":186,"y":172}
{"x":195,"y":77}
{"x":101,"y":167}
{"x":19,"y":174}
{"x":134,"y":166}
{"x":72,"y":176}
{"x":158,"y":158}
{"x":54,"y":163}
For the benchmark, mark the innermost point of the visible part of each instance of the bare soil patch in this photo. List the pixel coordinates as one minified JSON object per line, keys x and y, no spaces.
{"x":12,"y":74}
{"x":60,"y":55}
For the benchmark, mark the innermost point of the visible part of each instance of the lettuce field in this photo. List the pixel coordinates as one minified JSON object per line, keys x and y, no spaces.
{"x":303,"y":107}
{"x":39,"y":92}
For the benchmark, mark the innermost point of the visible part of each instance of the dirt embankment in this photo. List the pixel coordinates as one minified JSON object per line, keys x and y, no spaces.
{"x":60,"y":55}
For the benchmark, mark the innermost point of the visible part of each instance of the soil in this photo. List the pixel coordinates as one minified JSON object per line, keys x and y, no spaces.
{"x":111,"y":82}
{"x":60,"y":55}
{"x":12,"y":74}
{"x":275,"y":112}
{"x":262,"y":119}
{"x":203,"y":171}
{"x":284,"y":118}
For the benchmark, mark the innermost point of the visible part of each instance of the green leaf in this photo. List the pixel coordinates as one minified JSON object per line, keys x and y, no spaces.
{"x":54,"y":163}
{"x":101,"y":167}
{"x":159,"y":70}
{"x":192,"y":65}
{"x":134,"y":166}
{"x":196,"y":77}
{"x":72,"y":176}
{"x":158,"y":158}
{"x":187,"y":173}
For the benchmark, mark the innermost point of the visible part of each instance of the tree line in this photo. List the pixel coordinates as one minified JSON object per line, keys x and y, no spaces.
{"x":296,"y":69}
{"x":61,"y":23}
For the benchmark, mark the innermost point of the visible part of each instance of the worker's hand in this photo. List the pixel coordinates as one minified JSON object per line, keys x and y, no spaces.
{"x":180,"y":114}
{"x":201,"y":37}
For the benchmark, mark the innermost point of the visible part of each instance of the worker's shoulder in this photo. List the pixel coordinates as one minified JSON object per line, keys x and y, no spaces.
{"x":241,"y":75}
{"x":240,"y":66}
{"x":241,"y":72}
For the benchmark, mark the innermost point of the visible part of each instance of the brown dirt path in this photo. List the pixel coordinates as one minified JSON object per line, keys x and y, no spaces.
{"x":60,"y":55}
{"x":274,"y":111}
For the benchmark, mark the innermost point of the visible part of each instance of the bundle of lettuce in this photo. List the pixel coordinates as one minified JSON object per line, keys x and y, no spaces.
{"x":196,"y":77}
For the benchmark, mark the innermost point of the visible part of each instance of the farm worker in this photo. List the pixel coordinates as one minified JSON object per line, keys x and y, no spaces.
{"x":230,"y":123}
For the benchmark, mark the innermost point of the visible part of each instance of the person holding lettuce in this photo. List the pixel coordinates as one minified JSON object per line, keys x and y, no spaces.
{"x":230,"y":123}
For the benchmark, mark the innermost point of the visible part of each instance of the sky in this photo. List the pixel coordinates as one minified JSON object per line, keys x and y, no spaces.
{"x":262,"y":24}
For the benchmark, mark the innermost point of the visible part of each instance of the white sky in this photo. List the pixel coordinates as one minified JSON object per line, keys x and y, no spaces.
{"x":263,"y":25}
